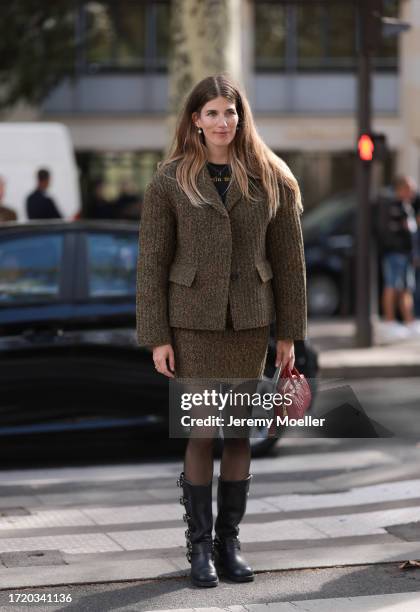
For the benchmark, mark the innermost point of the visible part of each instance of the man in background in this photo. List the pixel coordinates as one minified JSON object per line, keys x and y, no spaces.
{"x":99,"y":206}
{"x":38,"y":204}
{"x":6,"y":213}
{"x":398,"y":236}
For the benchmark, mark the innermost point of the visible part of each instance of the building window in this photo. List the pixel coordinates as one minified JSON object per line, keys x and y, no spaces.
{"x":124,"y":35}
{"x":387,"y":55}
{"x":270,"y":36}
{"x":119,"y":172}
{"x":162,"y":37}
{"x":326,"y":36}
{"x":315,"y":36}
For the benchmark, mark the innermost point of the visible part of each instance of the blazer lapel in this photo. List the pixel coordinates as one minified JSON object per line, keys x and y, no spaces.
{"x":233,"y":195}
{"x":209,"y":191}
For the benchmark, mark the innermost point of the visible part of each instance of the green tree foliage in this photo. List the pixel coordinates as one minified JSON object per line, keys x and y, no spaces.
{"x":37,"y":48}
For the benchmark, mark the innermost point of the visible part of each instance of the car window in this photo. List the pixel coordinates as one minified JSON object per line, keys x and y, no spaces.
{"x":112,"y":262}
{"x":30,"y":268}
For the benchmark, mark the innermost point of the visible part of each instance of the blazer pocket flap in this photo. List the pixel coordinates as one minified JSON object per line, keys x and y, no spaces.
{"x":183,"y":274}
{"x":264,"y":269}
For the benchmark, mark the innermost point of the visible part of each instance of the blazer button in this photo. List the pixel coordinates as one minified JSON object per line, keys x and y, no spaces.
{"x":234,"y":276}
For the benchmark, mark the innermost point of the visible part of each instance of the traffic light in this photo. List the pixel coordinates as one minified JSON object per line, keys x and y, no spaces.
{"x":366,"y":147}
{"x":372,"y":146}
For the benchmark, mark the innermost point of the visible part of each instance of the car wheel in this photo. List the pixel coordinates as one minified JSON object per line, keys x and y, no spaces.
{"x":258,"y":436}
{"x":259,"y":446}
{"x":323,"y":295}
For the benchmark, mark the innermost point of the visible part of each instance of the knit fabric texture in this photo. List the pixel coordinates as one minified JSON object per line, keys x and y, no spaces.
{"x":193,"y":260}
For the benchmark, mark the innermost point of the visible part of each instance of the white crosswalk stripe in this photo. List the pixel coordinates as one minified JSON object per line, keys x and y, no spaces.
{"x":96,"y":474}
{"x":109,"y":515}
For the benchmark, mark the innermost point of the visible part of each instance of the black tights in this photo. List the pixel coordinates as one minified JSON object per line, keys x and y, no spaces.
{"x":198,"y":461}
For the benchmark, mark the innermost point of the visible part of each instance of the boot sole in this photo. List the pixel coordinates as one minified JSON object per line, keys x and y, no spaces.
{"x":200,"y":583}
{"x":221,"y":572}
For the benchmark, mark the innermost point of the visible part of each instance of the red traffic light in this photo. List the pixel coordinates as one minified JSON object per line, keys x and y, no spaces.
{"x":366,"y":147}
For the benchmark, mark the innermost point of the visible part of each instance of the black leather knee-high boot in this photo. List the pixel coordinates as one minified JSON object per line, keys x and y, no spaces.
{"x":197,"y":500}
{"x":231,"y":505}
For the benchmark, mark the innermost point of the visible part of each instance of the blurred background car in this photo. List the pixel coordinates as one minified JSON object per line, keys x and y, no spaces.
{"x":69,"y":359}
{"x":329,"y":232}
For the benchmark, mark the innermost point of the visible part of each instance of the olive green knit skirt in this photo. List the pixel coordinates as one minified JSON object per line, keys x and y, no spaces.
{"x":220,"y":354}
{"x":206,"y":359}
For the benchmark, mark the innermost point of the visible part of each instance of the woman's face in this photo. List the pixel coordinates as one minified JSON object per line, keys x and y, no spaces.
{"x":218,"y":120}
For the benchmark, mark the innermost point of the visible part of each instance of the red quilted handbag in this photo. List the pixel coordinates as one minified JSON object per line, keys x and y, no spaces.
{"x":295,"y":385}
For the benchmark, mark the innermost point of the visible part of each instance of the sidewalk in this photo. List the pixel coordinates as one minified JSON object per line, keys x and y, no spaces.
{"x":334,"y":339}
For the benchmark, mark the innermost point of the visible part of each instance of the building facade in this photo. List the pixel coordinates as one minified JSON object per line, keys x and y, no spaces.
{"x":298,"y":67}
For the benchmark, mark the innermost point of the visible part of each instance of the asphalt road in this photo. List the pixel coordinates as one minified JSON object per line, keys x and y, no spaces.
{"x":269,"y":587}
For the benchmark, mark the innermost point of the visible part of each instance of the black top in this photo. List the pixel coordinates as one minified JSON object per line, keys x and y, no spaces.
{"x":41,"y":206}
{"x":397,"y":225}
{"x":220,"y":175}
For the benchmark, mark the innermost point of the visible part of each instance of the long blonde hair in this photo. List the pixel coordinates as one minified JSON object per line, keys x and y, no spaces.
{"x":248,"y":155}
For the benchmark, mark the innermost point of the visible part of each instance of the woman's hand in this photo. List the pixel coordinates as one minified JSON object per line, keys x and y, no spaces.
{"x":285,"y":354}
{"x":160,"y":356}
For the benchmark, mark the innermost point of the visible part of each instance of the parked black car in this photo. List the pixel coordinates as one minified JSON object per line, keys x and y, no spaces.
{"x":328,"y":232}
{"x":69,"y":359}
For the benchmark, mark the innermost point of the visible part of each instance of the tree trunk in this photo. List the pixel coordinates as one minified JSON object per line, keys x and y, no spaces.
{"x":205,"y":37}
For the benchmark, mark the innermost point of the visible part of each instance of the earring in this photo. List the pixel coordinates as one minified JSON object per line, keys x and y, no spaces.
{"x":200,"y":131}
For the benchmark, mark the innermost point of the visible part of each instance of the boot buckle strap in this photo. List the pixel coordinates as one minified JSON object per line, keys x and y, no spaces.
{"x":227,"y":543}
{"x":202,"y":547}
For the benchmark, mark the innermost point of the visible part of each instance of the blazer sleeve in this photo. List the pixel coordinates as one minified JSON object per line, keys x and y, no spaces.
{"x":286,"y":254}
{"x":156,"y":250}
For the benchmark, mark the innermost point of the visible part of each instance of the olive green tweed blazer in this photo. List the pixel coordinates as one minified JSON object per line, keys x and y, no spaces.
{"x":192,"y":261}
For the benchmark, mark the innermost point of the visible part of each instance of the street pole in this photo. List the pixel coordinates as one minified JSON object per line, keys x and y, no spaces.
{"x":363,"y":225}
{"x":371,"y":26}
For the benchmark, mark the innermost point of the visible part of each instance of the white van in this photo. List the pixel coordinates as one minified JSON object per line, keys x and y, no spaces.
{"x":26,"y":147}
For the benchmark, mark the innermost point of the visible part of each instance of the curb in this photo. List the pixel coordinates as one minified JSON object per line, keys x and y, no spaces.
{"x":373,"y":371}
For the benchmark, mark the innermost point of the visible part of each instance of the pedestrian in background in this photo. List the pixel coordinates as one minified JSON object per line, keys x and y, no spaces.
{"x":38,"y":204}
{"x":100,"y":207}
{"x":127,"y":204}
{"x":398,"y":236}
{"x":220,"y":257}
{"x":6,"y":213}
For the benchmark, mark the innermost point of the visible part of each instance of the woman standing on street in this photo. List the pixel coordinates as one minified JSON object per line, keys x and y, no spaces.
{"x":220,"y":257}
